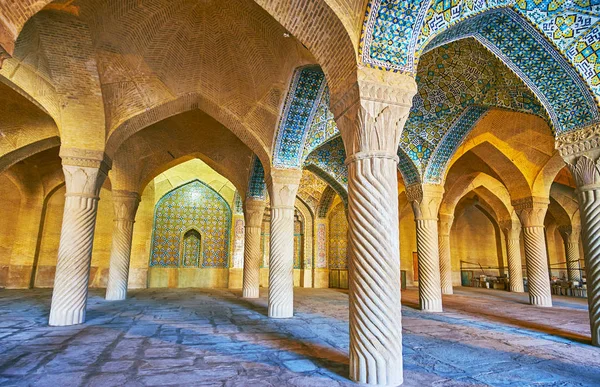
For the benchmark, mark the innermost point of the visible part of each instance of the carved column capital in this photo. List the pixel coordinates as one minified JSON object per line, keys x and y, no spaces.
{"x":283,"y":185}
{"x":125,"y":205}
{"x":425,"y":200}
{"x":570,"y":234}
{"x":511,"y":228}
{"x":581,"y":150}
{"x":85,"y":171}
{"x":445,"y":224}
{"x":372,"y":113}
{"x":254,"y":210}
{"x":531,"y":211}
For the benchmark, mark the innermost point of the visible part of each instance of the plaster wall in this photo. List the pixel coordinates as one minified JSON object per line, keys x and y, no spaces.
{"x":10,"y":201}
{"x":474,"y":238}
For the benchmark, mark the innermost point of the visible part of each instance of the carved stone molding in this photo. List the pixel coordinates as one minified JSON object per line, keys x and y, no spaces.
{"x":425,"y":200}
{"x":372,"y":113}
{"x":531,"y":211}
{"x":579,"y":142}
{"x":586,"y":173}
{"x":125,"y":205}
{"x":254,"y":210}
{"x":511,"y":228}
{"x":283,"y":186}
{"x":86,"y":158}
{"x":445,"y":223}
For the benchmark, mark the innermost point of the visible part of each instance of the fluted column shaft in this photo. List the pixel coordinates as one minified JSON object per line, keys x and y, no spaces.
{"x":581,"y":150}
{"x":253,"y":213}
{"x":532,"y":211}
{"x":426,"y":199}
{"x":371,"y":116}
{"x":570,"y":235}
{"x":125,"y":208}
{"x":512,"y":232}
{"x":445,"y":224}
{"x":84,"y":177}
{"x":283,"y":186}
{"x":589,"y":202}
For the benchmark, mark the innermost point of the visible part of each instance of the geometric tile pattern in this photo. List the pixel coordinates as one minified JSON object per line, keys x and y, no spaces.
{"x":308,"y":85}
{"x":526,"y":52}
{"x":256,"y":183}
{"x":238,"y":208}
{"x":452,"y":78}
{"x":311,"y":189}
{"x":436,"y":168}
{"x":338,"y":238}
{"x":298,"y":244}
{"x":322,"y":125}
{"x":192,"y":206}
{"x":191,"y":248}
{"x":396,"y":32}
{"x":325,"y":202}
{"x":330,"y":158}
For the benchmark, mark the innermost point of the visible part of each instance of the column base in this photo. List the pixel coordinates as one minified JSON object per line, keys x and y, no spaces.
{"x":281,"y":311}
{"x":115,"y":295}
{"x":251,"y":293}
{"x":434,"y":306}
{"x":66,"y":318}
{"x":545,"y":302}
{"x":376,"y":371}
{"x":447,"y":290}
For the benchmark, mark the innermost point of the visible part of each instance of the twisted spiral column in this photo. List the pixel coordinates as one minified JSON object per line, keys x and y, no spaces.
{"x":125,"y":206}
{"x":531,"y":212}
{"x":425,"y":200}
{"x":254,"y":211}
{"x":512,"y":232}
{"x":283,"y":186}
{"x":572,"y":253}
{"x":537,"y":266}
{"x":69,"y":298}
{"x":281,"y":263}
{"x":445,"y":224}
{"x":430,"y":293}
{"x":570,"y":235}
{"x":589,"y":204}
{"x":374,"y":272}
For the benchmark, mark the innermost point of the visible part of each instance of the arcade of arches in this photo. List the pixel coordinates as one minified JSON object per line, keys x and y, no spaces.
{"x":347,"y":152}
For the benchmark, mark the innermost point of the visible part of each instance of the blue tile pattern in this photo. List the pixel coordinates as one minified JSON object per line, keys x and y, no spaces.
{"x":562,"y":92}
{"x":322,"y":127}
{"x":452,"y":78}
{"x":330,"y":158}
{"x":238,"y":207}
{"x":544,"y":40}
{"x":256,"y":183}
{"x":308,"y":85}
{"x":192,"y":206}
{"x":434,"y":173}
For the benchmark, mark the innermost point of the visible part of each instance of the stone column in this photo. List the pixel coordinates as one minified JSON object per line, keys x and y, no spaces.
{"x":253,"y":215}
{"x":512,"y":232}
{"x":283,"y":186}
{"x":444,"y":226}
{"x":125,"y":207}
{"x":426,"y":200}
{"x":371,"y":116}
{"x":85,"y":172}
{"x":581,"y":150}
{"x":570,"y":237}
{"x":531,"y":212}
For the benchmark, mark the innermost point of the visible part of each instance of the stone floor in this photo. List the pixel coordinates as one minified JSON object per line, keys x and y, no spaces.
{"x":215,"y":338}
